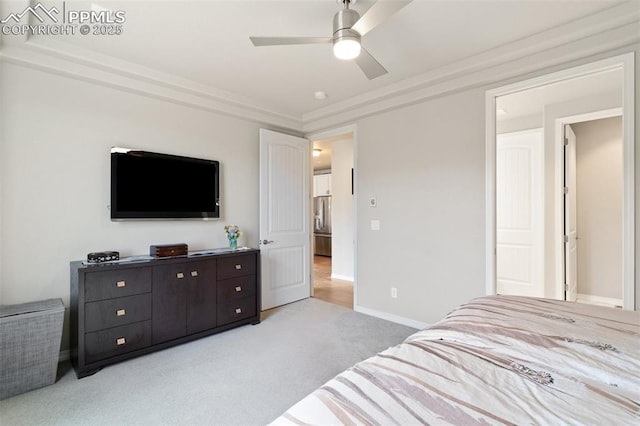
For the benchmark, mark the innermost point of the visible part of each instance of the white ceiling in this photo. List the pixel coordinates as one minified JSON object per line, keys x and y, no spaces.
{"x":208,"y":42}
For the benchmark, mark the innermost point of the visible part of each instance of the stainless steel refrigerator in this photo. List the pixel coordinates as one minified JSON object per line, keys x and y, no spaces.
{"x":322,"y":225}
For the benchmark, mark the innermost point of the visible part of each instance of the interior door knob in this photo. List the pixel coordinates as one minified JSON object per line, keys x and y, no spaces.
{"x":265,"y":242}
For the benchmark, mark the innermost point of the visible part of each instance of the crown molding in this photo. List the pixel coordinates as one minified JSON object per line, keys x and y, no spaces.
{"x":613,"y":28}
{"x":62,"y":59}
{"x":592,"y":35}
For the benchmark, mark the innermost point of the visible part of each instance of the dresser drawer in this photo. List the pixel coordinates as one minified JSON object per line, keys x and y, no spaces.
{"x":236,"y":310}
{"x":116,"y":341}
{"x":236,"y":266}
{"x":110,"y":284}
{"x":116,"y":312}
{"x":236,"y":288}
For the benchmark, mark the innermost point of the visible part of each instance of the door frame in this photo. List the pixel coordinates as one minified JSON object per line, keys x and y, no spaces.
{"x":624,"y":62}
{"x":326,"y":134}
{"x":559,"y":195}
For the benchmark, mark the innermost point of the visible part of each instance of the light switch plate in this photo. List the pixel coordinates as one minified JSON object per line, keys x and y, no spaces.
{"x":373,"y":202}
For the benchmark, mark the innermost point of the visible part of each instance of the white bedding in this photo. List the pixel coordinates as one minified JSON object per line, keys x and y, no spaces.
{"x":494,"y":360}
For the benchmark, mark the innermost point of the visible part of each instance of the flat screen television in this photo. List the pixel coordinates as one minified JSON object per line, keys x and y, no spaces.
{"x":150,"y":185}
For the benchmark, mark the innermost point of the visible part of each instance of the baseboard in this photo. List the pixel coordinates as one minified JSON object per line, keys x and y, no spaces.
{"x":391,"y":317}
{"x":64,"y":355}
{"x":599,"y":300}
{"x":342,"y":277}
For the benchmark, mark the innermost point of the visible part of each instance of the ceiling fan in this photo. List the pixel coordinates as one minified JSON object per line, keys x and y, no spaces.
{"x":348,"y":29}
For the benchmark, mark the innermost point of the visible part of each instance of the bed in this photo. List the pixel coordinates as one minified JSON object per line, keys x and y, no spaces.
{"x":495,"y":360}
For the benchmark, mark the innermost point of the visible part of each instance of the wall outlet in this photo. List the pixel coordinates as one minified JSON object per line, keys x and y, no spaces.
{"x":375,"y":225}
{"x":394,"y":292}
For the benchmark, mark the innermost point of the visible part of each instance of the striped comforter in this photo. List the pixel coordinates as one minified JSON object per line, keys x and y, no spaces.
{"x":495,"y":360}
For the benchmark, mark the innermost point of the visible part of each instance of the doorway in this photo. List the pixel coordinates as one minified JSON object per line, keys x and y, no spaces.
{"x":542,"y":103}
{"x":333,"y":219}
{"x":593,"y":207}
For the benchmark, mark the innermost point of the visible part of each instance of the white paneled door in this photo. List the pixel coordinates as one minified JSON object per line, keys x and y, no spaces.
{"x":285,"y":239}
{"x":570,"y":216}
{"x":519,"y":214}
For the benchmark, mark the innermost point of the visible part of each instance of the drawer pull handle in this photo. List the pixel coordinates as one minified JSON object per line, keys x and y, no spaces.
{"x":238,"y":266}
{"x":194,"y":273}
{"x":180,"y":275}
{"x":121,"y":284}
{"x":121,"y":341}
{"x":238,"y":289}
{"x":121,"y":312}
{"x":238,"y":311}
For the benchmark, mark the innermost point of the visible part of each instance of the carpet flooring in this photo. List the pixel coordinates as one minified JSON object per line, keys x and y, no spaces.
{"x":246,"y":376}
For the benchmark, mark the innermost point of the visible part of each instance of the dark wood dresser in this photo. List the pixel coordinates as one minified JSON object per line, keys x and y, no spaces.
{"x":123,"y":310}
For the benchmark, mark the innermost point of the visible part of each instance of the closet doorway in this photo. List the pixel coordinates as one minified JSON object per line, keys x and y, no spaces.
{"x":593,"y":207}
{"x":333,"y":219}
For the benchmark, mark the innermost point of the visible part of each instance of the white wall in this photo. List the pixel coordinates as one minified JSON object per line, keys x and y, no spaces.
{"x":425,"y":164}
{"x":599,"y":212}
{"x":54,"y":170}
{"x":342,"y":235}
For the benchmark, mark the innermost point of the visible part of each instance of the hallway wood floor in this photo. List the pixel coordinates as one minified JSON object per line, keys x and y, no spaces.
{"x":338,"y":292}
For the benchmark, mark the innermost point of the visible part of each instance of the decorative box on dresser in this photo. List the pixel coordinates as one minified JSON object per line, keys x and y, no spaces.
{"x":126,"y":309}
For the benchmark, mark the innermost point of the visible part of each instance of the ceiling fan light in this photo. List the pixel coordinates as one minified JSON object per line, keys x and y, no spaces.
{"x":346,"y":48}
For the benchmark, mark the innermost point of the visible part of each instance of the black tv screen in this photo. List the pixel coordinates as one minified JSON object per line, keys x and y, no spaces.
{"x":148,"y":185}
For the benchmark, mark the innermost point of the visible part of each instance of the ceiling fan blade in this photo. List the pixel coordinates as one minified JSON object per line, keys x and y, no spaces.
{"x":368,"y":64}
{"x":278,"y":41}
{"x":378,"y":13}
